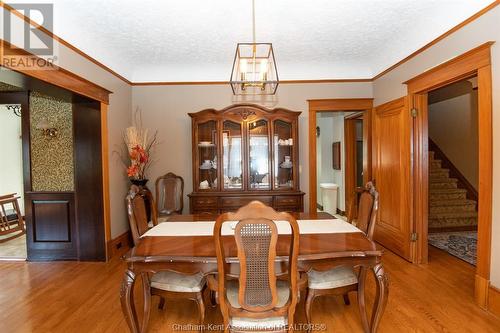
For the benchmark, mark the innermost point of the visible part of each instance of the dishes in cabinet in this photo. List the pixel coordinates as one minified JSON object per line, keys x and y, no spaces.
{"x":207,"y":164}
{"x":287,"y":164}
{"x":205,"y":144}
{"x":288,"y":142}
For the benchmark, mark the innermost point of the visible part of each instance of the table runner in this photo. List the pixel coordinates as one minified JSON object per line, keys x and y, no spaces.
{"x":205,"y":228}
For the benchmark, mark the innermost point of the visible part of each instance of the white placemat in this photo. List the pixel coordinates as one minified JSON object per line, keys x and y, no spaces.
{"x":206,"y":228}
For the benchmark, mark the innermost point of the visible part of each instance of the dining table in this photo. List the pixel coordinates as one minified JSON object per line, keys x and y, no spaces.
{"x":184,"y":244}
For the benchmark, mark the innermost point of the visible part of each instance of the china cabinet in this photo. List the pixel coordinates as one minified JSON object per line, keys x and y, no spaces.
{"x":242,"y":153}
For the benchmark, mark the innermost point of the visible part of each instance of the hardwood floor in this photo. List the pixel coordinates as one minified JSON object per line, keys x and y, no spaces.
{"x":14,"y":248}
{"x":84,"y":297}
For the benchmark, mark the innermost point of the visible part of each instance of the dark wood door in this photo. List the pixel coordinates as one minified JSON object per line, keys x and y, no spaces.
{"x":392,"y":126}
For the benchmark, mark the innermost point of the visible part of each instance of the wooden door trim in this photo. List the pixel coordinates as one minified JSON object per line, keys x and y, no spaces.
{"x":456,"y":69}
{"x":351,"y":153}
{"x":57,"y":76}
{"x":330,"y":105}
{"x":105,"y":177}
{"x":350,"y":170}
{"x":474,"y":62}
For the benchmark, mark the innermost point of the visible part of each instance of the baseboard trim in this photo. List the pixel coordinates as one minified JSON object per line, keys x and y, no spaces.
{"x":340,"y":212}
{"x":119,"y":245}
{"x":481,"y":291}
{"x":494,"y":301}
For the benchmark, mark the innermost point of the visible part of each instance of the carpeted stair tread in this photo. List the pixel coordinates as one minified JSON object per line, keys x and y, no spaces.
{"x":454,"y":215}
{"x":452,"y":202}
{"x":435,"y":164}
{"x":453,"y":209}
{"x":442,"y":180}
{"x":439,"y":172}
{"x":442,"y":185}
{"x":447,"y":193}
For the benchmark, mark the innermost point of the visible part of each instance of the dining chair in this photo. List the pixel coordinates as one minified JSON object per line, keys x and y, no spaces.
{"x":11,"y":219}
{"x":163,"y":283}
{"x":169,"y":194}
{"x":259,"y":296}
{"x":343,"y":279}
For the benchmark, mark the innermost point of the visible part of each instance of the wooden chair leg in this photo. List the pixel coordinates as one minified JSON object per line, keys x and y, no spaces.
{"x":146,"y":287}
{"x":308,"y":304}
{"x":161,"y":304}
{"x":201,"y":309}
{"x":346,"y":299}
{"x":213,"y":298}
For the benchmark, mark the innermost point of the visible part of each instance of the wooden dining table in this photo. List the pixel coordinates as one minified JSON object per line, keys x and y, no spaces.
{"x":194,"y":253}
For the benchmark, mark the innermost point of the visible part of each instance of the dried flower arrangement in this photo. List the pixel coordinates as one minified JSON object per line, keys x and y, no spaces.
{"x":138,"y":148}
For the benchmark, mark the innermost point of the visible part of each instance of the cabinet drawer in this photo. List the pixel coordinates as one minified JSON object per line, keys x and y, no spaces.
{"x":286,"y":200}
{"x":205,"y":202}
{"x":242,"y":201}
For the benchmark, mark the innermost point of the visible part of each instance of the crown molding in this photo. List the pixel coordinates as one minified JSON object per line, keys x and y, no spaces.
{"x":190,"y":83}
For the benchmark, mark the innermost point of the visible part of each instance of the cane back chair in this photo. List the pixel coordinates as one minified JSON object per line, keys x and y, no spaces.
{"x":260,"y":297}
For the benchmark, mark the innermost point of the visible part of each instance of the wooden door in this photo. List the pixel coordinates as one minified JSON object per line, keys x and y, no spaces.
{"x":392,"y":124}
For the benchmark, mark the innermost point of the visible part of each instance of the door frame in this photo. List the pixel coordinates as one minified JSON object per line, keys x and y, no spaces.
{"x":364,"y":105}
{"x":350,"y":144}
{"x":67,"y":80}
{"x":476,"y":62}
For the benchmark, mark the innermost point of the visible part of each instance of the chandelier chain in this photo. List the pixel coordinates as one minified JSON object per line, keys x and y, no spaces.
{"x":253,"y":21}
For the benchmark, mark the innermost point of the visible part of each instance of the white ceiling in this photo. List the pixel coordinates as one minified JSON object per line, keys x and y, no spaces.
{"x":195,"y":40}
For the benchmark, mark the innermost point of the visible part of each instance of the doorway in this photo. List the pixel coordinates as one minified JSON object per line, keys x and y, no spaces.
{"x":62,"y":171}
{"x":12,"y":223}
{"x":330,"y":152}
{"x":453,"y":169}
{"x":349,"y":107}
{"x":476,"y":62}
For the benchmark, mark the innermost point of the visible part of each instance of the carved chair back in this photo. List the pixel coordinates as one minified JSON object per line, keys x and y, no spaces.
{"x":169,"y":194}
{"x":137,"y":213}
{"x":367,"y":208}
{"x":256,"y":238}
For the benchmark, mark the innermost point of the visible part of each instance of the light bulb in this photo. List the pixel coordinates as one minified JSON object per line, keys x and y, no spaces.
{"x":243,"y":65}
{"x":263,"y":69}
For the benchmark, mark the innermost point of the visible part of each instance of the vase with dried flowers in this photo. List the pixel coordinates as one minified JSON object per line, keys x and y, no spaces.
{"x":137,"y":151}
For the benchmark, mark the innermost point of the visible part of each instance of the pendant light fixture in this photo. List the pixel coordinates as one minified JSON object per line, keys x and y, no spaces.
{"x":254,"y":67}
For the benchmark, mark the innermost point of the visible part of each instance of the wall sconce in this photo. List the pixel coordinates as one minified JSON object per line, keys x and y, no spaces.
{"x":47,"y":130}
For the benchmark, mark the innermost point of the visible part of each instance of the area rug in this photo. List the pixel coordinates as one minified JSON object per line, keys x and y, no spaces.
{"x":461,"y":244}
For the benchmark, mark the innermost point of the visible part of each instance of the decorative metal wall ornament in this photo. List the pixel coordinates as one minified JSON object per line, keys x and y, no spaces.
{"x":254,"y":69}
{"x":16,"y":108}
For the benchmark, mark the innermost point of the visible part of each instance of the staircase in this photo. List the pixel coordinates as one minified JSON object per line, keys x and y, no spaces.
{"x":449,"y":208}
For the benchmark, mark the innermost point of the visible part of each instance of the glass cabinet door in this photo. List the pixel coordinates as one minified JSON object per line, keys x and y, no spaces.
{"x":207,"y":155}
{"x":283,"y":155}
{"x":258,"y":171}
{"x":232,"y":170}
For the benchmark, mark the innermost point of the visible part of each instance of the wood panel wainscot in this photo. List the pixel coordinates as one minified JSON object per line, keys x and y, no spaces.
{"x":242,"y":153}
